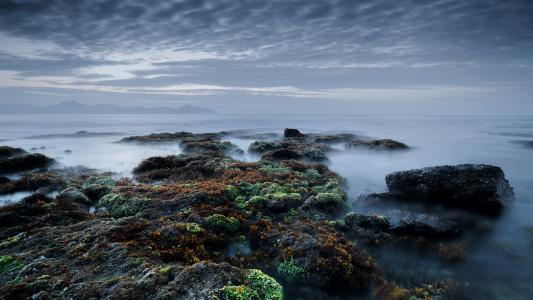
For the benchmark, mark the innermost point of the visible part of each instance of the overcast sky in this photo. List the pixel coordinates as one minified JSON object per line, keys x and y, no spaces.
{"x":346,"y":56}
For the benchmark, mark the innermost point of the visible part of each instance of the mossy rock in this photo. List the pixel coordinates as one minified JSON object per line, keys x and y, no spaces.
{"x":222,"y":224}
{"x":257,"y":286}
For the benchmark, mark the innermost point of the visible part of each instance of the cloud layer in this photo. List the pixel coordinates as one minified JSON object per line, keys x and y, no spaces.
{"x":330,"y":49}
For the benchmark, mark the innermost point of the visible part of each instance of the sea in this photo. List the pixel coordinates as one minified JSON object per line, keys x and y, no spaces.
{"x":498,"y":264}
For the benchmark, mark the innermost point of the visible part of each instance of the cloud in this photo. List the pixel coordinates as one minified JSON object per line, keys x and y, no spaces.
{"x":327,"y":49}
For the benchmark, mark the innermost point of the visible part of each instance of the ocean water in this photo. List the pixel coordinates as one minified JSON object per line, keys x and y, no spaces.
{"x":498,"y":264}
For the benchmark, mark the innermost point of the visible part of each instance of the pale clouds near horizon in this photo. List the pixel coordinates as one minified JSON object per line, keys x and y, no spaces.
{"x":413,"y":56}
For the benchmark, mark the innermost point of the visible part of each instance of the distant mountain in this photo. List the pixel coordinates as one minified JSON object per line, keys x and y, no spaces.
{"x":73,"y":107}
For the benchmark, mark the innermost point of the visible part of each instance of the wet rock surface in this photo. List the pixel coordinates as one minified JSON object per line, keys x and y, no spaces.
{"x":479,"y":188}
{"x":24,"y":162}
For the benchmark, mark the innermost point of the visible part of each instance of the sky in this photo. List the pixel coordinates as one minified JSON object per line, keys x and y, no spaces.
{"x":272,"y":56}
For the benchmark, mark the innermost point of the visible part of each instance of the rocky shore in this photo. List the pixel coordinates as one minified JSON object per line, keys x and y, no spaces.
{"x":204,"y":225}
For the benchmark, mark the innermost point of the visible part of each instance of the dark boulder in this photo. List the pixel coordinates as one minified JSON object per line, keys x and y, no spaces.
{"x":6,"y":151}
{"x":25,"y":162}
{"x":479,"y":188}
{"x":292,"y":133}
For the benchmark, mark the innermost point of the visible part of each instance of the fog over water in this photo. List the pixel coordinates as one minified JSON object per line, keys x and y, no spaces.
{"x":501,"y":255}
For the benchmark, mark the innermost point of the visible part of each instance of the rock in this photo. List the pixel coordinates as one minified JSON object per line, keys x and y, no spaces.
{"x":384,"y":144}
{"x":334,"y":138}
{"x":4,"y":180}
{"x":262,"y":146}
{"x":183,"y":166}
{"x":6,"y":152}
{"x":281,"y":154}
{"x":326,"y":258}
{"x":189,"y":142}
{"x":418,"y":224}
{"x":68,"y":151}
{"x":292,"y":133}
{"x":370,"y":222}
{"x":25,"y":162}
{"x":75,"y":195}
{"x":478,"y":188}
{"x":33,"y":181}
{"x":202,"y":280}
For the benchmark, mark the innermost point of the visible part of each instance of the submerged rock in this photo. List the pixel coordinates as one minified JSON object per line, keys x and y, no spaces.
{"x":403,"y":223}
{"x":419,"y":224}
{"x":479,"y":188}
{"x":384,"y":144}
{"x":24,"y":162}
{"x":189,"y":142}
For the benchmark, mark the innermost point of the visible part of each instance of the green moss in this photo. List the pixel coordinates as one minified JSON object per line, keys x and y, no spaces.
{"x":266,"y":287}
{"x":243,"y":189}
{"x":9,"y":264}
{"x":329,"y":200}
{"x":312,"y":174}
{"x":315,"y":154}
{"x":119,"y":206}
{"x":291,"y":272}
{"x":43,"y":277}
{"x":193,"y":228}
{"x":275,"y":169}
{"x":256,"y":200}
{"x":240,"y":202}
{"x":100,"y":180}
{"x":12,"y":240}
{"x":165,"y":270}
{"x":274,"y":188}
{"x":238,"y":292}
{"x":222,"y":224}
{"x":285,"y":197}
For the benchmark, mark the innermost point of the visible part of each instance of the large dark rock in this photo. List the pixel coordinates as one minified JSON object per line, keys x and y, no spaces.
{"x":479,"y":188}
{"x":6,"y":151}
{"x":25,"y":162}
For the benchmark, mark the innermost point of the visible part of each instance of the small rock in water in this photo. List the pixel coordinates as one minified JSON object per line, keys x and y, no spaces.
{"x":68,"y":151}
{"x":291,"y":132}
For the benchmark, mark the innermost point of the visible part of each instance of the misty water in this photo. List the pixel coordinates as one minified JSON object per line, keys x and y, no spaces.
{"x":498,"y":262}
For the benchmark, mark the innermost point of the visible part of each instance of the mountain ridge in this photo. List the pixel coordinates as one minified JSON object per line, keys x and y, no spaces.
{"x":74,"y":107}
